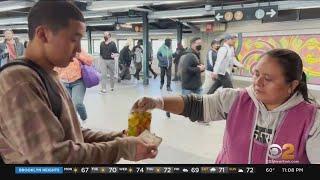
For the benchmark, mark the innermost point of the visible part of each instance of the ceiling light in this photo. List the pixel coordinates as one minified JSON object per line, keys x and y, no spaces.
{"x":14,"y":27}
{"x":100,"y":23}
{"x":99,"y":8}
{"x":13,"y":5}
{"x":97,"y":14}
{"x":8,"y":21}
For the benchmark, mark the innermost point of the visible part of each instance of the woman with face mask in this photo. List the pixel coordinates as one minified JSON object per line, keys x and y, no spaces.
{"x":271,"y":121}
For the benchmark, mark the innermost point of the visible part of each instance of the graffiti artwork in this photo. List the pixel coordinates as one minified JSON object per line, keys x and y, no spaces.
{"x":307,"y":46}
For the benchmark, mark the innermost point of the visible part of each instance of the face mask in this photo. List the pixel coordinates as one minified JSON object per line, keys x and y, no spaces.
{"x":198,"y":47}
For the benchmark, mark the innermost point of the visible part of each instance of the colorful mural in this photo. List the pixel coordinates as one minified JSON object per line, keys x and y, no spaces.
{"x":307,"y":46}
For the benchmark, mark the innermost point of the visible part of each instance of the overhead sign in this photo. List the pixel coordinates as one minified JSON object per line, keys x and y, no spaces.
{"x":257,"y":13}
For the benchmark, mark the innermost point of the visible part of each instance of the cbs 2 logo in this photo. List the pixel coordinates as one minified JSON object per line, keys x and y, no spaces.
{"x":286,"y":152}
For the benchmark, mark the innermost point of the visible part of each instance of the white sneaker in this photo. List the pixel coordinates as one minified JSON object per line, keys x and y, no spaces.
{"x":103,"y":91}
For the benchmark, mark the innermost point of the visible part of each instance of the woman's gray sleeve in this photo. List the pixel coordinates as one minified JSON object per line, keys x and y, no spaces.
{"x":209,"y":107}
{"x":193,"y":107}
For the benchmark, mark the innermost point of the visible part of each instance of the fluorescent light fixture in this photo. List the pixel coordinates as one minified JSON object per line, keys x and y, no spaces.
{"x":112,"y":5}
{"x":138,"y":33}
{"x":106,"y":7}
{"x":308,"y":7}
{"x":169,"y":2}
{"x":100,"y":23}
{"x":134,"y":21}
{"x":13,"y":5}
{"x":198,"y":20}
{"x":161,"y":33}
{"x":9,"y":21}
{"x":178,"y":16}
{"x":96,"y":14}
{"x":181,"y":13}
{"x":17,"y":27}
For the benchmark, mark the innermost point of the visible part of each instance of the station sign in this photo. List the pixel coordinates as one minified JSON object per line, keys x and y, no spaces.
{"x":241,"y":14}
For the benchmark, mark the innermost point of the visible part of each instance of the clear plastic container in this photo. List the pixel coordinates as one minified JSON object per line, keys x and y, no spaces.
{"x":138,"y":122}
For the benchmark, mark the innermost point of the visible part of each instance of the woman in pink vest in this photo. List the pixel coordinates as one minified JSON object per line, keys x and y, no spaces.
{"x":72,"y":80}
{"x":271,"y":121}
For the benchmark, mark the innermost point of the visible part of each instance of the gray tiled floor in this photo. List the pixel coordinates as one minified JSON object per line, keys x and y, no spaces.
{"x":183,"y":141}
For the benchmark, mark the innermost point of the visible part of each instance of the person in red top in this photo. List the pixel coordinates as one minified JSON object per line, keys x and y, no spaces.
{"x":72,"y":80}
{"x":11,"y":48}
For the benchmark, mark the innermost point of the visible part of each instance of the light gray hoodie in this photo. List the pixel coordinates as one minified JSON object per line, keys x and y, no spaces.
{"x":217,"y":106}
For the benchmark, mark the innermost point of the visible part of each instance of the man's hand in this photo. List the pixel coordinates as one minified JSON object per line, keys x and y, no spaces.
{"x":144,"y":150}
{"x":201,"y":67}
{"x":214,"y":76}
{"x":113,"y":55}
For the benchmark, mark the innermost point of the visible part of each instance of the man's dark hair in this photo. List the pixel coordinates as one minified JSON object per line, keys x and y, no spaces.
{"x":194,"y":40}
{"x":55,"y":14}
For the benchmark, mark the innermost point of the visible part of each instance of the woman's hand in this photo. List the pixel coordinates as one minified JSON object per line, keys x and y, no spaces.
{"x":147,"y":103}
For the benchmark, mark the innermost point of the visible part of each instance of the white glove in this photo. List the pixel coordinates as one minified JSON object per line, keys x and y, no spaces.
{"x":147,"y":103}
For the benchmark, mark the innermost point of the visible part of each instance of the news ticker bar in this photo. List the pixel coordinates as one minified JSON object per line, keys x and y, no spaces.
{"x":133,"y":170}
{"x":196,"y":169}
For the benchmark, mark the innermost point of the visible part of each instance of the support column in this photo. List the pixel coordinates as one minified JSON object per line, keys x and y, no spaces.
{"x":146,"y":48}
{"x":179,"y":32}
{"x":89,"y":40}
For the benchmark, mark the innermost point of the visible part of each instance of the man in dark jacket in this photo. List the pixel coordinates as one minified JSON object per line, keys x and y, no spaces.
{"x":137,"y":52}
{"x":191,"y":68}
{"x":125,"y":62}
{"x":150,"y":59}
{"x":108,"y":51}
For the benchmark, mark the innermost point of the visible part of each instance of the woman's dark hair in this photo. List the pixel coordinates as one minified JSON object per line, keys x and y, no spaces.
{"x":292,"y":66}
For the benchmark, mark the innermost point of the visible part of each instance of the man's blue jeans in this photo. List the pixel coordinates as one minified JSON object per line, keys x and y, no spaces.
{"x":187,"y":91}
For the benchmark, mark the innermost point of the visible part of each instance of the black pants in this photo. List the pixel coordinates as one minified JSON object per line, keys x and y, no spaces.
{"x":138,"y":69}
{"x":166,"y":71}
{"x":151,"y":70}
{"x":222,"y":80}
{"x":124,"y":72}
{"x":176,"y":76}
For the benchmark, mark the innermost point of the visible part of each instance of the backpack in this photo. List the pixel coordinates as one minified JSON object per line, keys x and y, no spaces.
{"x":50,"y":86}
{"x":52,"y":89}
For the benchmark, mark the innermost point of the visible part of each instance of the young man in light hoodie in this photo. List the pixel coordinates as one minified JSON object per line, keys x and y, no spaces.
{"x":272,"y":121}
{"x":226,"y":59}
